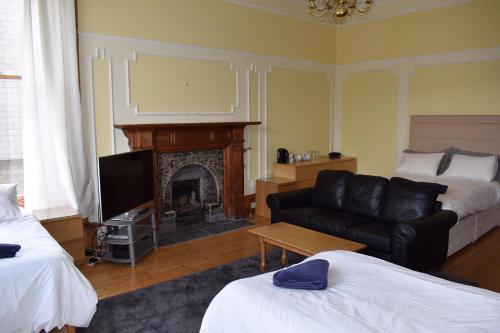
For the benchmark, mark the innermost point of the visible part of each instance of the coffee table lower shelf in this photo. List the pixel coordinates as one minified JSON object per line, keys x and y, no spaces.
{"x":300,"y":240}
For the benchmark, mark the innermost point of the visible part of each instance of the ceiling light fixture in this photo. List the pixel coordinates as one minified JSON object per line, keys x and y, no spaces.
{"x":339,"y":9}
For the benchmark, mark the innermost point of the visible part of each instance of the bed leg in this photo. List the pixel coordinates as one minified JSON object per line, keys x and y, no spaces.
{"x":70,"y":329}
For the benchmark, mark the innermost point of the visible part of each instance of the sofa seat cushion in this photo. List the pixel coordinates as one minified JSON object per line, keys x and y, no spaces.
{"x":299,"y":216}
{"x":364,"y":195}
{"x":407,"y":200}
{"x":336,"y":223}
{"x":376,"y":235}
{"x":330,"y":189}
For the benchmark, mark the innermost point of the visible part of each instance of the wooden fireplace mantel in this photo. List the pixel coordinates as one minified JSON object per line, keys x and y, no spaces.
{"x":182,"y":137}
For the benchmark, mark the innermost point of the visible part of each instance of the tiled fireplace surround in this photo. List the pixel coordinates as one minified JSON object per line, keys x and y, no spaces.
{"x":191,"y":186}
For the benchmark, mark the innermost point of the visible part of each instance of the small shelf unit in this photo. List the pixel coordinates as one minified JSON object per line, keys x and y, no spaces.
{"x":139,"y":238}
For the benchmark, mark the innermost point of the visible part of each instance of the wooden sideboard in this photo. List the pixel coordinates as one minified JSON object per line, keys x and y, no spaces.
{"x":294,"y":176}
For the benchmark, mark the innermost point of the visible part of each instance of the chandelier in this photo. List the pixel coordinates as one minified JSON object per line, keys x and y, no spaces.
{"x":339,"y":9}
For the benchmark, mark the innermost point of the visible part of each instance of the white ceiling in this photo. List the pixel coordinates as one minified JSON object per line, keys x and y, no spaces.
{"x":381,"y":9}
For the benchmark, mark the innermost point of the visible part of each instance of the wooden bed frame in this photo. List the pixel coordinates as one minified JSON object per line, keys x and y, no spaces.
{"x":65,"y":329}
{"x":471,"y":133}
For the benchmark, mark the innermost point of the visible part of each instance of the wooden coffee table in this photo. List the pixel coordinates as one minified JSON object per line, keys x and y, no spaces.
{"x":299,"y":240}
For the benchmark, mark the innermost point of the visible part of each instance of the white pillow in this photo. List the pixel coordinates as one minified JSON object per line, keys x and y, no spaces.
{"x":472,"y":167}
{"x":424,"y":164}
{"x":8,"y":202}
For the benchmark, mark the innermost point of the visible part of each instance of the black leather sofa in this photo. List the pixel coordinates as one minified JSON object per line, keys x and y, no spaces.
{"x":399,"y":220}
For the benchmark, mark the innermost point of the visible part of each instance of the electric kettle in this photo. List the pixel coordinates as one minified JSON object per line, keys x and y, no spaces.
{"x":282,"y":155}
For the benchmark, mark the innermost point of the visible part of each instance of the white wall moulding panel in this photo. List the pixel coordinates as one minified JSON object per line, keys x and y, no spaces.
{"x":124,"y":50}
{"x":123,"y":53}
{"x":88,"y":109}
{"x":403,"y":68}
{"x":181,"y":86}
{"x":263,"y":72}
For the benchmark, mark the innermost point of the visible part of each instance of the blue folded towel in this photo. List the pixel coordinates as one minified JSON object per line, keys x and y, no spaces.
{"x":9,"y":250}
{"x":310,"y":275}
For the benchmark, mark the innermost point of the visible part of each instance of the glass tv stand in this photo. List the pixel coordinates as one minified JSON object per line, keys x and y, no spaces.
{"x":126,"y":234}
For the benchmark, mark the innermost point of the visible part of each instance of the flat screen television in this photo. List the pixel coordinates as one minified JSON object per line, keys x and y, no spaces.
{"x":125,"y":182}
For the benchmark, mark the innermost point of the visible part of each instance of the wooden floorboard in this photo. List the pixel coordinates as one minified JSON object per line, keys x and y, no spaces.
{"x":170,"y":262}
{"x":479,"y":262}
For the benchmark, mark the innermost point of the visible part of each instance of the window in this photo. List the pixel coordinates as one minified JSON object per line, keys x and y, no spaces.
{"x":11,"y":154}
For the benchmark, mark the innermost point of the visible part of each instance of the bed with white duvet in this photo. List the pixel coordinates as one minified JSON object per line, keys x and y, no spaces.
{"x":473,"y":180}
{"x":464,"y":196}
{"x":41,"y":288}
{"x":364,"y":294}
{"x":476,"y":202}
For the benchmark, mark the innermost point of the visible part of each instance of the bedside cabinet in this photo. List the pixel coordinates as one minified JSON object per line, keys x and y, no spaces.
{"x":65,"y":224}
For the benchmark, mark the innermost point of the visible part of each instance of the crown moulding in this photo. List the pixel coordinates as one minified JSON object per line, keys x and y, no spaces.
{"x":381,"y":9}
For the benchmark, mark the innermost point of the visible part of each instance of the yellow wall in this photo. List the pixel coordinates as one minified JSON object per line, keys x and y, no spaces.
{"x":444,"y":89}
{"x":210,"y":23}
{"x":456,"y":89}
{"x":369,"y":115}
{"x":298,"y":112}
{"x":470,"y":25}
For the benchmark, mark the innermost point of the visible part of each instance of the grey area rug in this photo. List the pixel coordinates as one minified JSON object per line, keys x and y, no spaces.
{"x":177,"y":305}
{"x":171,"y":234}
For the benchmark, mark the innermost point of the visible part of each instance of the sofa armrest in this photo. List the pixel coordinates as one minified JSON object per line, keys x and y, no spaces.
{"x":297,"y":198}
{"x":422,"y":244}
{"x":441,"y":220}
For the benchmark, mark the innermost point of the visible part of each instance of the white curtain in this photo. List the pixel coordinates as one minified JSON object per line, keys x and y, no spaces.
{"x":55,"y":168}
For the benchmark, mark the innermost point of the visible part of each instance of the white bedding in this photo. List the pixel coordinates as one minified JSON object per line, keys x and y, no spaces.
{"x":464,"y":196}
{"x":365,"y":294}
{"x":40,"y":288}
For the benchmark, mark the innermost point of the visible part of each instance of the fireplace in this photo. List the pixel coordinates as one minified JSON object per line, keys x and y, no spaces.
{"x":224,"y":138}
{"x":191,"y":186}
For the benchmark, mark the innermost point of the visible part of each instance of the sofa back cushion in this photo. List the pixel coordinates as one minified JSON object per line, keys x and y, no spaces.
{"x":406,"y":200}
{"x":364,"y":195}
{"x":330,"y":188}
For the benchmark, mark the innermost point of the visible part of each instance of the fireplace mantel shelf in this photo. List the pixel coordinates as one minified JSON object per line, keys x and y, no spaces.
{"x":187,"y":125}
{"x":185,"y":137}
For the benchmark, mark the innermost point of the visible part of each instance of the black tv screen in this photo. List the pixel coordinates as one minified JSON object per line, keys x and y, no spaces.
{"x":126,"y":181}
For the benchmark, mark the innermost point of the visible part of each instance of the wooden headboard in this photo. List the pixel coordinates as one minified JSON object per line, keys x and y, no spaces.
{"x":473,"y":133}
